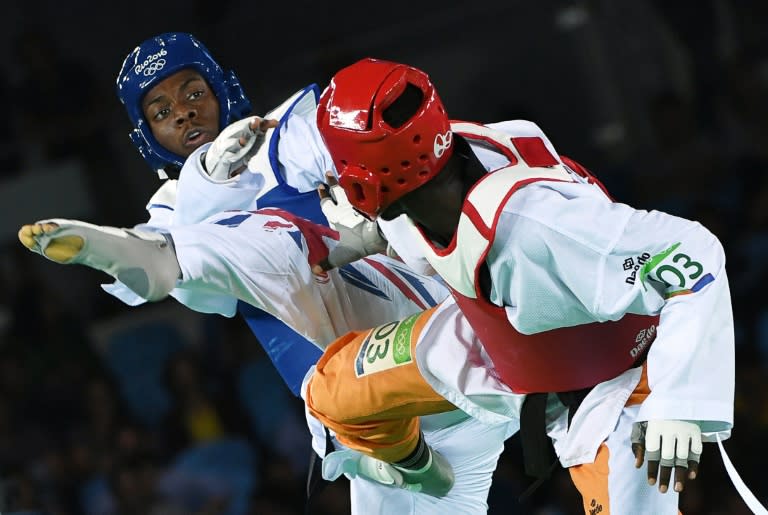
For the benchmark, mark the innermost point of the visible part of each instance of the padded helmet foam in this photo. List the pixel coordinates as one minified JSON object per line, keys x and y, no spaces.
{"x":379,"y":161}
{"x":156,"y":59}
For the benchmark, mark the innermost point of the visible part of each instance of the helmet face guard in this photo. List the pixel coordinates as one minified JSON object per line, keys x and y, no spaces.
{"x":379,"y":160}
{"x":158,"y":58}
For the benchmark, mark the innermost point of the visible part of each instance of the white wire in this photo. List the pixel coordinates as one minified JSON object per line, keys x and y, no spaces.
{"x":741,"y":487}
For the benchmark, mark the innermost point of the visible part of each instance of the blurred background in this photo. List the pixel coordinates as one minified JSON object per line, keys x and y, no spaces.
{"x":159,"y":410}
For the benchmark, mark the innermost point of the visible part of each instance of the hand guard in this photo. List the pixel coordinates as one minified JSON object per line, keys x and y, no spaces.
{"x":667,"y":444}
{"x":358,"y":236}
{"x":435,"y":479}
{"x":233,"y":148}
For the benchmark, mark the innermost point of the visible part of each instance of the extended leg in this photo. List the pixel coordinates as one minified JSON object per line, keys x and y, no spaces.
{"x":144,"y":261}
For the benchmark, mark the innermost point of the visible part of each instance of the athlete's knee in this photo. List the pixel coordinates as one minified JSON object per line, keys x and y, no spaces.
{"x":334,"y":391}
{"x":323,"y":402}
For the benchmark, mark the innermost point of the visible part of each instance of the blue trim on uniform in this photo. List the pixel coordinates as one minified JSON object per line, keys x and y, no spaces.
{"x":159,"y":206}
{"x":359,"y":365}
{"x":273,"y":160}
{"x":297,"y":238}
{"x":306,"y":205}
{"x":233,"y":221}
{"x":291,"y":353}
{"x":354,"y":277}
{"x":702,"y":282}
{"x":417,"y":285}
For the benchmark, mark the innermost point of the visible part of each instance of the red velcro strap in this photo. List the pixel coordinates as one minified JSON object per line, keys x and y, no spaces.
{"x":534,"y":152}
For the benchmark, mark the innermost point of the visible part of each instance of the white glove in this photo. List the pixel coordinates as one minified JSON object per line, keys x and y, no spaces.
{"x":668,"y":444}
{"x":358,"y":236}
{"x":233,"y":148}
{"x":672,"y":442}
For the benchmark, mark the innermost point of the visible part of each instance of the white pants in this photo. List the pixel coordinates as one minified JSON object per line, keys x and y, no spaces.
{"x":473,"y":450}
{"x":613,"y":485}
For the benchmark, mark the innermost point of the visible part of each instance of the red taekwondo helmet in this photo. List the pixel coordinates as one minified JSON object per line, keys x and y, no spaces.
{"x":386,"y":130}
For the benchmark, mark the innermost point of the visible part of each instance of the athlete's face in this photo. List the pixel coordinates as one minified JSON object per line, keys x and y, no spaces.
{"x":182,"y":112}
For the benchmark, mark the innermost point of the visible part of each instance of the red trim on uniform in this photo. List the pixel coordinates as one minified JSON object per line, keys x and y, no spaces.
{"x":504,"y":201}
{"x":399,"y":283}
{"x":490,"y":232}
{"x":582,"y":171}
{"x":437,"y":251}
{"x":557,"y":360}
{"x":534,"y":152}
{"x":467,"y":122}
{"x":476,"y":219}
{"x":313,"y":233}
{"x":561,"y":359}
{"x":503,"y":149}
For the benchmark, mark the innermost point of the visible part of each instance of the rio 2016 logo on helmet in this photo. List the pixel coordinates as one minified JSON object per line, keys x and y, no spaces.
{"x":156,"y":59}
{"x":381,"y":148}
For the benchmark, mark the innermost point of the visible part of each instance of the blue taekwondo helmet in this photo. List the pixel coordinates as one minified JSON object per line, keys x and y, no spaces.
{"x":154,"y":60}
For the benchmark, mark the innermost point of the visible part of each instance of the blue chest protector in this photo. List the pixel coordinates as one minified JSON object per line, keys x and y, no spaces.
{"x":291,"y":353}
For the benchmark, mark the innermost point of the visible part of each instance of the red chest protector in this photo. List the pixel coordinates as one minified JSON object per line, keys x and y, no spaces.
{"x":558,"y":360}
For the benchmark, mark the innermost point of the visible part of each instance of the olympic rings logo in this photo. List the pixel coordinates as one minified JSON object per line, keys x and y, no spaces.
{"x":154,"y":67}
{"x":152,"y":64}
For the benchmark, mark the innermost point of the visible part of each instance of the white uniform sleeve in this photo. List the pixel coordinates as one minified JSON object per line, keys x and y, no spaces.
{"x":198,"y":197}
{"x":122,"y":292}
{"x":161,"y":207}
{"x":564,"y":256}
{"x":190,"y":200}
{"x":691,"y":366}
{"x":302,"y":154}
{"x":255,"y":258}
